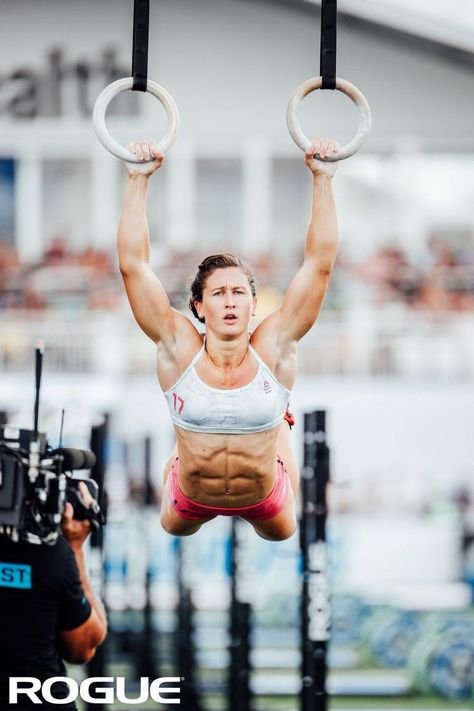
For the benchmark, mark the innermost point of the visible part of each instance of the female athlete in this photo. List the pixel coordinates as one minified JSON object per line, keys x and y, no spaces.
{"x":227,"y":391}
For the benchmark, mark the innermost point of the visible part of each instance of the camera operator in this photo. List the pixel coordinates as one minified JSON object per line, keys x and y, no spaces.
{"x":48,"y":612}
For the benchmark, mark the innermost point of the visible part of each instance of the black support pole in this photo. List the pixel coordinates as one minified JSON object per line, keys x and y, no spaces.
{"x":315,"y":601}
{"x":185,"y":649}
{"x":146,"y":662}
{"x":239,"y":691}
{"x":98,"y":444}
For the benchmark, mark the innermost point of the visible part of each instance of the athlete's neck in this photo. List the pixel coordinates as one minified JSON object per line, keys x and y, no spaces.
{"x":224,"y":354}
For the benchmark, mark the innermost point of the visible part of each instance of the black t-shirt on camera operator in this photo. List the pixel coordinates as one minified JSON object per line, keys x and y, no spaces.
{"x":40,"y":594}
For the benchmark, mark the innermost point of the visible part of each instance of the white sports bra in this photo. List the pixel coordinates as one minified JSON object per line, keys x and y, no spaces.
{"x":255,"y":407}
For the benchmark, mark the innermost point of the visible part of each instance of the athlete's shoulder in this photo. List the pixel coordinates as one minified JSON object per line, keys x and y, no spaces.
{"x":172,"y":362}
{"x":264,"y":338}
{"x":277,"y":354}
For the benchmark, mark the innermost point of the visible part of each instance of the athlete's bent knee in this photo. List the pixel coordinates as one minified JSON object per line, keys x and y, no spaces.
{"x":179,"y":528}
{"x":172,"y":527}
{"x":285,"y":532}
{"x":281,"y":533}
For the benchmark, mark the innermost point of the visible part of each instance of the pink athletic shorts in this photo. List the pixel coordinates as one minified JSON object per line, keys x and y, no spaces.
{"x":269,"y":507}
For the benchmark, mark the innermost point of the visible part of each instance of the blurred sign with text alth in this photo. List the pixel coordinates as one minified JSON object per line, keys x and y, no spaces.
{"x":60,"y":86}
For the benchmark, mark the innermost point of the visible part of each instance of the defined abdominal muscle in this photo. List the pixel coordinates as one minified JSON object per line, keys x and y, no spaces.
{"x":227,"y":470}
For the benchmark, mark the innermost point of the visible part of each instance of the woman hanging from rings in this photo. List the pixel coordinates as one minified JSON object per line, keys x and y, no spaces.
{"x":227,"y":391}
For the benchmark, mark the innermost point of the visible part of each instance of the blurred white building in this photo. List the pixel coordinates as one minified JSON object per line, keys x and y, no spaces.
{"x":234,"y":177}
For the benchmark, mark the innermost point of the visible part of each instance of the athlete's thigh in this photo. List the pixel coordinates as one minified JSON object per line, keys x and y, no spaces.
{"x":170,"y":519}
{"x":281,"y":526}
{"x":175,"y":525}
{"x":172,"y":522}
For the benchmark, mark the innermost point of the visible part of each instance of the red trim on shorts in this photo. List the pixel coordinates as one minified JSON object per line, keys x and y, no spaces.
{"x":269,"y":507}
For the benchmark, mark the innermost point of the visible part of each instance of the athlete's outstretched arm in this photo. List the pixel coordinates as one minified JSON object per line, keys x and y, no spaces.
{"x":306,"y":292}
{"x":147,"y":297}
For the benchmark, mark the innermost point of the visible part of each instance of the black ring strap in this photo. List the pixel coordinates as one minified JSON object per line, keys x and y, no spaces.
{"x":141,"y":23}
{"x":327,"y":56}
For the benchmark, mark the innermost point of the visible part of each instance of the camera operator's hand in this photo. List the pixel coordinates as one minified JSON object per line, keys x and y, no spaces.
{"x":76,"y":532}
{"x":78,"y":645}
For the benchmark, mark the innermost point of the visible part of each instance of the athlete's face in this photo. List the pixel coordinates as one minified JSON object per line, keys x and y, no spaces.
{"x":227,"y":301}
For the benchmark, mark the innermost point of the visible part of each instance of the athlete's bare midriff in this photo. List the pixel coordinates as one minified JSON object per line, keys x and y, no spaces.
{"x":227,"y":470}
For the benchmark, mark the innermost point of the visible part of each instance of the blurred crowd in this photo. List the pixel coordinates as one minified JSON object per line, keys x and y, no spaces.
{"x":440,"y":279}
{"x":61,"y":279}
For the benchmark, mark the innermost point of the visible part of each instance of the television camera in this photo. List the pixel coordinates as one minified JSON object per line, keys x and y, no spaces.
{"x":36,"y":481}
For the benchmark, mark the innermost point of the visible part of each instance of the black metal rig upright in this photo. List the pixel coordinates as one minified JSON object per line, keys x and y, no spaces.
{"x":146,"y":660}
{"x":239,"y":694}
{"x":98,"y":444}
{"x":315,"y":603}
{"x":185,"y":650}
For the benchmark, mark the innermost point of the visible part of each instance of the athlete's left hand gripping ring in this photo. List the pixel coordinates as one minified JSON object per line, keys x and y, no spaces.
{"x":104,"y":99}
{"x":365,"y":123}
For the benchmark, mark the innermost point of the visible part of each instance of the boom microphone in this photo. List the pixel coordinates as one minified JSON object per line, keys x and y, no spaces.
{"x":76,"y":458}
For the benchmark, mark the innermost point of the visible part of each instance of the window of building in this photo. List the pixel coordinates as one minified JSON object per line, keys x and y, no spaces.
{"x":66,"y":208}
{"x":7,"y":200}
{"x":218,"y":204}
{"x":291,"y":204}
